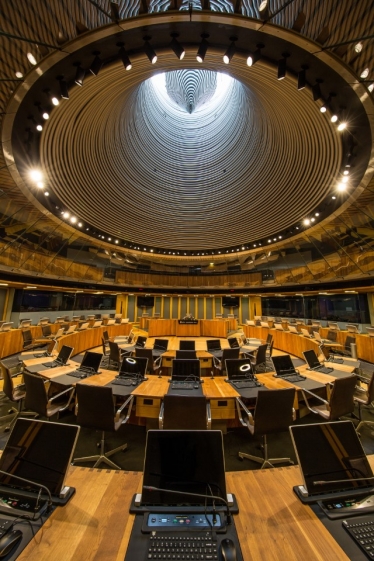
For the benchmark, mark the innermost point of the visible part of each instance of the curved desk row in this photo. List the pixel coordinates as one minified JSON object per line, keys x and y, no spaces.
{"x":272,"y":524}
{"x":11,"y":342}
{"x":203,"y":327}
{"x":365,"y":343}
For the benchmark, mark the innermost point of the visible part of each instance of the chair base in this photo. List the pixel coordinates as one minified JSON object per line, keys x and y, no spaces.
{"x":361,"y":423}
{"x":265,"y":461}
{"x":102,"y":457}
{"x":14,"y":416}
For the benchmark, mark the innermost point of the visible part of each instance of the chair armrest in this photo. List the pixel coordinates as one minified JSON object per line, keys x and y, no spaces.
{"x":157,"y":362}
{"x":304,"y":392}
{"x":129,"y":402}
{"x":161,"y":417}
{"x":68,"y":390}
{"x":216,"y":362}
{"x":208,"y":416}
{"x":240,"y":405}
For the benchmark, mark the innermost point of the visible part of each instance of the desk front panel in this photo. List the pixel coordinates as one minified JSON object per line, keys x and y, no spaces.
{"x":217,"y":327}
{"x":187,"y":329}
{"x":159,"y":327}
{"x":283,"y":340}
{"x":365,"y":344}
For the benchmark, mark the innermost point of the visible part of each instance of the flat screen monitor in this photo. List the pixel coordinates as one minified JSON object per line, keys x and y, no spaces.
{"x":185,"y":369}
{"x":161,"y":344}
{"x":233,"y":342}
{"x":40,"y":451}
{"x":140,"y":342}
{"x":7,"y":326}
{"x":328,"y":452}
{"x":239,"y":368}
{"x":189,"y":461}
{"x":46,"y":330}
{"x":64,"y":354}
{"x":145,"y":301}
{"x":230,"y":301}
{"x":92,"y":360}
{"x":187,"y":345}
{"x":25,"y":323}
{"x":136,"y":366}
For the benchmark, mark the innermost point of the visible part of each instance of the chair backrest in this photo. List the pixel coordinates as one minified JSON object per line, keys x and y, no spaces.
{"x":187,"y":345}
{"x":228,"y":354}
{"x":332,"y":335}
{"x":27,"y":337}
{"x":185,"y":354}
{"x":348,"y":341}
{"x":184,"y":412}
{"x":95,"y":407}
{"x":114,"y":352}
{"x":261,"y":355}
{"x":7,"y":381}
{"x":269,"y":339}
{"x":106,"y":336}
{"x":146,"y":353}
{"x":36,"y":394}
{"x":274,"y":410}
{"x":370,"y":390}
{"x":341,"y":397}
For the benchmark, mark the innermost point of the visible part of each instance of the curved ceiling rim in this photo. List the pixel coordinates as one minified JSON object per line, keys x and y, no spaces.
{"x":167,"y":18}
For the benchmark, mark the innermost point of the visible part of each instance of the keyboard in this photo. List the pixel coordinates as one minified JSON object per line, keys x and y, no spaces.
{"x":363,"y":534}
{"x":81,"y":373}
{"x":182,"y":385}
{"x":5,"y":525}
{"x":293,"y":378}
{"x":52,"y":364}
{"x":244,"y":384}
{"x":336,"y":360}
{"x":169,"y":545}
{"x":125,"y":382}
{"x":41,"y":355}
{"x":323,"y":369}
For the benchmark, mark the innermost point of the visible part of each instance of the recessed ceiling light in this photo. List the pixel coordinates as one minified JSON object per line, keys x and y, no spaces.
{"x":365,"y":73}
{"x":31,"y":58}
{"x":19,"y":75}
{"x":358,"y":47}
{"x":342,"y":126}
{"x":341,"y":187}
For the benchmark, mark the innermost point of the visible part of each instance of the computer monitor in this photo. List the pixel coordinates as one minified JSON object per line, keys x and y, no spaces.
{"x":352,"y":328}
{"x":239,"y":368}
{"x":46,"y":330}
{"x":333,"y":325}
{"x":161,"y":344}
{"x":187,"y":345}
{"x":283,"y":365}
{"x":134,"y":366}
{"x":213,"y":345}
{"x":92,"y":360}
{"x":185,"y":369}
{"x":311,"y":358}
{"x":43,"y":321}
{"x":140,"y":342}
{"x":190,"y":461}
{"x":64,"y":354}
{"x":39,"y":451}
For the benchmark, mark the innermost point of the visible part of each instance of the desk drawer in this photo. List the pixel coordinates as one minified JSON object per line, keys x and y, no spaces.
{"x":148,"y":407}
{"x":222,"y":408}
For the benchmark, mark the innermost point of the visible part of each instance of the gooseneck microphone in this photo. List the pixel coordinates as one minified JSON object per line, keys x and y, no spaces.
{"x":353,"y":479}
{"x":35,"y":484}
{"x":196,"y":495}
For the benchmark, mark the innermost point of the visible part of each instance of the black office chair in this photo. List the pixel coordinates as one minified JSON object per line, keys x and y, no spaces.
{"x":153,"y":364}
{"x":39,"y":399}
{"x":95,"y":410}
{"x":29,"y":343}
{"x":184,"y":412}
{"x":346,"y":351}
{"x":220,"y":365}
{"x":340,"y":402}
{"x":364,"y":397}
{"x":185,"y":354}
{"x":274,"y":412}
{"x":187,"y":345}
{"x":116,"y":355}
{"x":16,"y":395}
{"x":258,"y":359}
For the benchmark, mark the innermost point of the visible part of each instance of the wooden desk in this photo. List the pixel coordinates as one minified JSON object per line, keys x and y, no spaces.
{"x":272,"y":524}
{"x":284,"y":340}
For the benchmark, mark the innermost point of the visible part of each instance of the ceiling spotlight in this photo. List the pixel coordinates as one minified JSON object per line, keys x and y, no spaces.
{"x":149,"y":51}
{"x":358,"y":47}
{"x":64,"y":89}
{"x":252,"y":58}
{"x":96,"y":65}
{"x":264,"y":10}
{"x":334,"y":118}
{"x":306,"y":222}
{"x":371,"y":87}
{"x":31,"y":58}
{"x":203,"y":47}
{"x":342,"y":126}
{"x":301,"y":79}
{"x":55,"y":101}
{"x":176,"y":47}
{"x":19,"y":75}
{"x":125,"y":58}
{"x":316,"y":91}
{"x":230,"y":51}
{"x":39,"y":128}
{"x":282,"y":67}
{"x":365,"y":73}
{"x":341,"y":187}
{"x":79,"y":76}
{"x":114,"y":11}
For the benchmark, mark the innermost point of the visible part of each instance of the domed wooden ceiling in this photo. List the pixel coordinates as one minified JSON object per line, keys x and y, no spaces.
{"x":181,"y":159}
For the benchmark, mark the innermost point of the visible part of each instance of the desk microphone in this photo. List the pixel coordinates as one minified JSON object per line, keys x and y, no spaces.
{"x":353,"y":479}
{"x":196,"y":495}
{"x":41,"y":487}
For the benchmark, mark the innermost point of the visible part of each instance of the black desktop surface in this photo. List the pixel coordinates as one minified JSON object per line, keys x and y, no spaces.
{"x":195,"y":391}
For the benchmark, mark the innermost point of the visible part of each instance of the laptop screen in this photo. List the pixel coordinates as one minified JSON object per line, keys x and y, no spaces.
{"x":239,"y":368}
{"x":64,"y":354}
{"x":328,"y":452}
{"x":40,"y":451}
{"x":92,"y":360}
{"x":283,"y":365}
{"x":311,"y":358}
{"x":134,"y":366}
{"x":188,"y":461}
{"x":233,"y":342}
{"x":213,"y":345}
{"x":185,"y":369}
